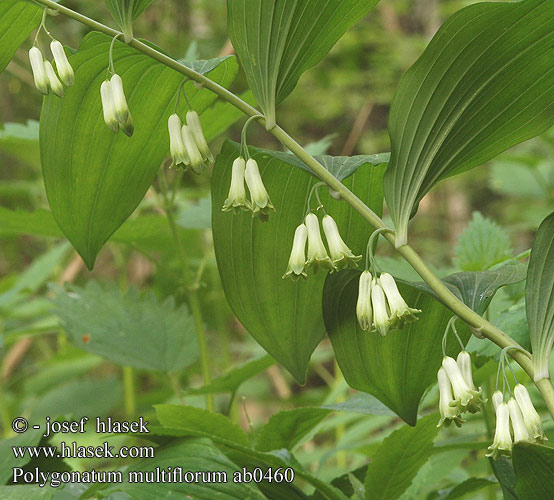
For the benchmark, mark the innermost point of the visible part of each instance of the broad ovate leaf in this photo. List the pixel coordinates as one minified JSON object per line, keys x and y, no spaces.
{"x":277,"y":40}
{"x":94,"y":178}
{"x":483,"y":84}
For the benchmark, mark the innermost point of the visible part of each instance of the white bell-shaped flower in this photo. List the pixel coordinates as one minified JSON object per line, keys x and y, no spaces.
{"x":65,"y":71}
{"x":518,"y":425}
{"x":193,"y":122}
{"x":448,"y":412}
{"x":340,"y":253}
{"x":400,"y":312}
{"x":53,"y":79}
{"x":497,"y":399}
{"x":381,"y":313}
{"x":297,"y":260}
{"x":39,"y":71}
{"x":108,"y":106}
{"x":121,"y":108}
{"x":176,"y":146}
{"x":464,"y":362}
{"x":531,"y":418}
{"x":236,"y":199}
{"x":502,"y":442}
{"x":463,"y":394}
{"x":317,"y":253}
{"x":193,"y":153}
{"x":364,"y":311}
{"x":258,"y":195}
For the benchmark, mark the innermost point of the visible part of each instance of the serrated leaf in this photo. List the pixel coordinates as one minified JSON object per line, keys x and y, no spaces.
{"x":396,"y":462}
{"x":17,"y":19}
{"x":94,"y":178}
{"x":128,"y":329}
{"x":283,"y":316}
{"x":286,"y":429}
{"x":390,"y":367}
{"x":534,"y":468}
{"x":539,"y":296}
{"x":482,"y":85}
{"x":277,"y":40}
{"x":482,"y":245}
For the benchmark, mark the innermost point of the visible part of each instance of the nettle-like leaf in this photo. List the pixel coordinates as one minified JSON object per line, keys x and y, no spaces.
{"x":17,"y":19}
{"x":128,"y":329}
{"x":94,"y":178}
{"x":388,"y":367}
{"x":539,"y":297}
{"x":278,"y":40}
{"x":284,"y":317}
{"x":483,"y":84}
{"x":125,"y":12}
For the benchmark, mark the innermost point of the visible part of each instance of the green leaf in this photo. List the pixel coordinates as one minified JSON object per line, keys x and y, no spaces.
{"x":482,"y":85}
{"x":504,"y":472}
{"x":21,"y":142}
{"x":190,"y":455}
{"x":534,"y":468}
{"x":7,"y":459}
{"x":231,"y":381}
{"x":397,"y":460}
{"x":283,"y":316}
{"x":128,"y":329}
{"x":26,"y":492}
{"x":362,"y":403}
{"x":286,"y":429}
{"x":198,"y":422}
{"x":94,"y":178}
{"x":125,"y":12}
{"x":390,"y":367}
{"x":539,"y":296}
{"x":17,"y":19}
{"x":476,"y":289}
{"x":482,"y":245}
{"x":470,"y":485}
{"x":277,"y":40}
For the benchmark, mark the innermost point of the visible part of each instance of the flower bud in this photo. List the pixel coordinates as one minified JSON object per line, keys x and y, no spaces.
{"x":259,"y":198}
{"x":449,"y":413}
{"x":108,"y":107}
{"x":236,"y":199}
{"x":464,"y":362}
{"x":297,"y":260}
{"x":381,"y":318}
{"x":194,"y":156}
{"x":502,"y":442}
{"x":317,"y":253}
{"x":193,"y":122}
{"x":463,"y":393}
{"x":399,"y":310}
{"x":128,"y":127}
{"x":67,"y":76}
{"x":121,"y":109}
{"x":364,"y":311}
{"x":518,"y":426}
{"x":176,"y":146}
{"x":53,"y":80}
{"x":39,"y":71}
{"x":340,"y":253}
{"x":531,"y":418}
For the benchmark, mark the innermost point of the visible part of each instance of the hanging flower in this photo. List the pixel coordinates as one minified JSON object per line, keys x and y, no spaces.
{"x":65,"y":71}
{"x":400,"y":313}
{"x":108,"y":106}
{"x":128,"y":127}
{"x":39,"y":70}
{"x":297,"y":260}
{"x":447,"y":406}
{"x":194,"y":156}
{"x":258,"y":195}
{"x":176,"y":146}
{"x":518,"y":426}
{"x":381,"y":313}
{"x":121,"y":109}
{"x":531,"y":418}
{"x":364,"y":311}
{"x":465,"y":397}
{"x":317,"y":253}
{"x":497,"y":399}
{"x":464,"y":362}
{"x":502,"y":443}
{"x":193,"y":122}
{"x":340,"y":253}
{"x":53,"y":80}
{"x":236,"y":199}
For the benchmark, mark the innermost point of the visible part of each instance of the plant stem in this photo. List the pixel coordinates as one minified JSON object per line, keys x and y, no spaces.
{"x":474,"y":320}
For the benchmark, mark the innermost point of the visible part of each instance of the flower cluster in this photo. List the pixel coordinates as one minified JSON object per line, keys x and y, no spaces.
{"x":380,"y":306}
{"x":187,"y":143}
{"x":457,"y":393}
{"x":44,"y":75}
{"x":340,"y":255}
{"x":519,"y":416}
{"x":114,"y":104}
{"x":259,"y":202}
